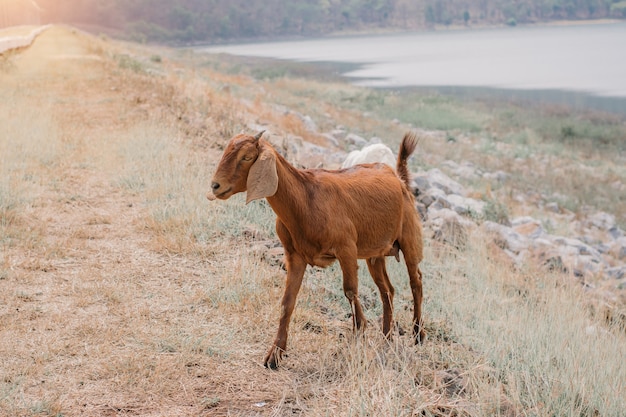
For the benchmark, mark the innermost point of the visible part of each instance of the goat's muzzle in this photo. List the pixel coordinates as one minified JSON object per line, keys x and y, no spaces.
{"x":210,"y":195}
{"x":219,"y":192}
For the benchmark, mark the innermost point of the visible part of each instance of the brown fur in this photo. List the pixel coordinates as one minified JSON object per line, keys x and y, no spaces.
{"x":362,"y":212}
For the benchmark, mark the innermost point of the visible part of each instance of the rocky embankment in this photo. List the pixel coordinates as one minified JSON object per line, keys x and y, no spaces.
{"x":593,"y":251}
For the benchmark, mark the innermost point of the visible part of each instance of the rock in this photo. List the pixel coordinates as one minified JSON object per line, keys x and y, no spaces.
{"x":576,"y":246}
{"x":568,"y":255}
{"x":420,"y":184}
{"x":560,"y":259}
{"x":602,"y":248}
{"x":439,"y":203}
{"x":617,"y":272}
{"x":355,"y":140}
{"x":527,"y":226}
{"x":431,"y":195}
{"x":615,"y":232}
{"x":617,"y":249}
{"x":466,"y":206}
{"x":587,"y":266}
{"x":465,"y":169}
{"x":443,"y":182}
{"x":303,"y":153}
{"x":601,"y":220}
{"x":505,"y":237}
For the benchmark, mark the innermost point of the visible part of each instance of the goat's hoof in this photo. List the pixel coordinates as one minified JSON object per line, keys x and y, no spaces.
{"x":271,"y":364}
{"x":273,"y":358}
{"x":420,"y":336}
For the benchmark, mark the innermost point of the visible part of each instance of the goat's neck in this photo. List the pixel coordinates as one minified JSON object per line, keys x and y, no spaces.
{"x":291,"y":198}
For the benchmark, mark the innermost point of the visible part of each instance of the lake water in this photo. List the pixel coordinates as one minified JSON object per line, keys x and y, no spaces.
{"x":580,"y":58}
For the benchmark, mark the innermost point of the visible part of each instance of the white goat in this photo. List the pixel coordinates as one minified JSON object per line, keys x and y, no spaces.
{"x":377,"y":152}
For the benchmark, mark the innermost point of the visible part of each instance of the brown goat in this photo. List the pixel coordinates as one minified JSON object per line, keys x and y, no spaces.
{"x":362,"y":212}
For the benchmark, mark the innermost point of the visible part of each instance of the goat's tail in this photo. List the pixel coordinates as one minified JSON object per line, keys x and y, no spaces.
{"x":409,"y":143}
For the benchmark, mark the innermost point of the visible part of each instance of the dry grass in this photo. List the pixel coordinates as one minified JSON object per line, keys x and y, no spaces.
{"x":123,"y":292}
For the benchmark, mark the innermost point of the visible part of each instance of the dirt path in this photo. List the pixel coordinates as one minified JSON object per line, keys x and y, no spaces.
{"x":77,"y":257}
{"x":77,"y":212}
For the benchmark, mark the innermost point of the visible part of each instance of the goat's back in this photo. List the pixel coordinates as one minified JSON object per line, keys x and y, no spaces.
{"x":366,"y":200}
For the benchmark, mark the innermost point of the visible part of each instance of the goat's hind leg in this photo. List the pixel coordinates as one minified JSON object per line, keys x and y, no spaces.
{"x":378,"y":271}
{"x":415,"y":278}
{"x":349,"y":267}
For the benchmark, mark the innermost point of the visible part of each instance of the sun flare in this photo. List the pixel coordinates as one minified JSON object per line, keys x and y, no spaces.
{"x":19,"y":13}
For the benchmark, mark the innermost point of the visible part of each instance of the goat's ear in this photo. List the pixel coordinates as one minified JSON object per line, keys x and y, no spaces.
{"x":262,"y":177}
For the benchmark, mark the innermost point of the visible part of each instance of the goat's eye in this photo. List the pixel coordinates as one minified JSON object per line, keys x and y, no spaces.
{"x":247,"y":158}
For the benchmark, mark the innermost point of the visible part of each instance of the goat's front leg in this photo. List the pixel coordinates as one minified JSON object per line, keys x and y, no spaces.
{"x":295,"y":272}
{"x":349,"y":267}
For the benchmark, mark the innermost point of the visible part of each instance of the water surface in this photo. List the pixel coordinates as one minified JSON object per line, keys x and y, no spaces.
{"x":582,"y":58}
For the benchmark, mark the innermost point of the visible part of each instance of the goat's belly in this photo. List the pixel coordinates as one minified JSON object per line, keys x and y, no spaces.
{"x":375,"y":252}
{"x":322,"y":261}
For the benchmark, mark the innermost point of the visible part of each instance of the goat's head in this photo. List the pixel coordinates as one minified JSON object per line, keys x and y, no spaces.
{"x":248,"y":164}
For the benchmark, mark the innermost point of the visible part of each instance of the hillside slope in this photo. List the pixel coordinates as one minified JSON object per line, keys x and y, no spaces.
{"x":124,"y":292}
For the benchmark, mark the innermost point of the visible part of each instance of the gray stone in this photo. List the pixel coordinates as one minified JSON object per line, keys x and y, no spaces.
{"x":443,"y":182}
{"x":615,"y":232}
{"x":528,"y":227}
{"x":617,"y":272}
{"x":602,"y":220}
{"x":432,"y":195}
{"x":505,"y":237}
{"x":355,"y":140}
{"x":617,"y":249}
{"x":466,"y":206}
{"x":577,"y":246}
{"x":420,"y":184}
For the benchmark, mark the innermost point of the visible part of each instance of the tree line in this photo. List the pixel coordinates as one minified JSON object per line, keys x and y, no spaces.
{"x":191,"y":21}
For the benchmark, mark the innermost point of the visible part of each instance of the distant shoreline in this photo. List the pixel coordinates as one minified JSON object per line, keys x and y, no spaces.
{"x":390,"y":31}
